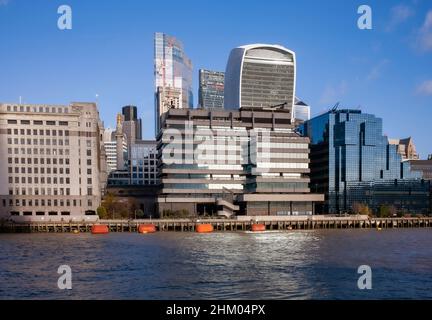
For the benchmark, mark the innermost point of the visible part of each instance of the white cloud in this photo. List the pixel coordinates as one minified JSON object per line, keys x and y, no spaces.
{"x":425,"y":88}
{"x":377,"y":70}
{"x":398,"y":15}
{"x":424,"y":40}
{"x":333,"y":94}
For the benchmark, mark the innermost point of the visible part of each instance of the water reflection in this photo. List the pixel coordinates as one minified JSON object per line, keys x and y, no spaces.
{"x":287,"y":265}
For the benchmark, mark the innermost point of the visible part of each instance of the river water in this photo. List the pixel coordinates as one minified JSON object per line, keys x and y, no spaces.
{"x":312,"y":264}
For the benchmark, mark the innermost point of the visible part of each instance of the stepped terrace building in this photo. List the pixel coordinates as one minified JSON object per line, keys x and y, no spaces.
{"x":246,"y":162}
{"x":53,"y":161}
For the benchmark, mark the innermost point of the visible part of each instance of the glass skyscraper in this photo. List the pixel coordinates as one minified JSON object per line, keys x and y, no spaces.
{"x":172,"y":69}
{"x":353,"y":162}
{"x":132,"y":125}
{"x":301,"y":111}
{"x":211,"y":89}
{"x":260,"y":76}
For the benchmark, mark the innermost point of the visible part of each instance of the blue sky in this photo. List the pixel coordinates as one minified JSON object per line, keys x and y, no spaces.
{"x":386,"y":71}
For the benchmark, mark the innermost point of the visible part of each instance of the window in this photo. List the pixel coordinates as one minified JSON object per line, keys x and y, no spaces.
{"x":25,"y":121}
{"x":38,"y":122}
{"x":50,"y":123}
{"x":12,"y":122}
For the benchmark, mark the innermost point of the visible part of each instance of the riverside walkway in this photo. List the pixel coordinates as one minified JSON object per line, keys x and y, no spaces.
{"x":243,"y":223}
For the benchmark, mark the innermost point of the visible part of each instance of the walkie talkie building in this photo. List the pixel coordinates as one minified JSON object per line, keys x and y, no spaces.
{"x":260,"y":76}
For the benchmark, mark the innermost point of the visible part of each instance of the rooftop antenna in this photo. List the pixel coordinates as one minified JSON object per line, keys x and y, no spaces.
{"x":20,"y":100}
{"x":336,"y":106}
{"x":278,"y":106}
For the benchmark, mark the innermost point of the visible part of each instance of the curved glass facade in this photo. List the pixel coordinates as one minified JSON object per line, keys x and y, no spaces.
{"x":260,"y":76}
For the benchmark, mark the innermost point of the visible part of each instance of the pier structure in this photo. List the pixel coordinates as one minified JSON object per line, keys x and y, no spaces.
{"x":223,"y":225}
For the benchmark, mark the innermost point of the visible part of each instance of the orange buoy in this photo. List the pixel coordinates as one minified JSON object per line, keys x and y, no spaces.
{"x":204,"y":228}
{"x":146,"y":228}
{"x":99,"y":229}
{"x":258,"y":227}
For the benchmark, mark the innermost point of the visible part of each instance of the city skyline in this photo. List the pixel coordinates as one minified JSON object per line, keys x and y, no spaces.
{"x":356,"y":67}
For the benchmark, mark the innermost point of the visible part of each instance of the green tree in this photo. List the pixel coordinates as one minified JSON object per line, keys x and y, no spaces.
{"x":361,"y":208}
{"x":110,"y":202}
{"x":102,"y":212}
{"x":140,"y":214}
{"x":384,"y":211}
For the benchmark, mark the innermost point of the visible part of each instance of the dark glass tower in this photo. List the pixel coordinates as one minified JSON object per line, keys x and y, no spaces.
{"x":211,"y":89}
{"x":353,"y":162}
{"x":132,"y":125}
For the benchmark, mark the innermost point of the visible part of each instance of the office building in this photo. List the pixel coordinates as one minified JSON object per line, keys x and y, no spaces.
{"x":53,"y":161}
{"x":211,"y":89}
{"x":143,"y":166}
{"x":406,"y":148}
{"x":131,"y":124}
{"x":260,"y":76}
{"x":173,"y":69}
{"x":301,"y":111}
{"x":352,"y":162}
{"x":167,"y":98}
{"x":116,"y":149}
{"x":422,"y":166}
{"x":245,"y":162}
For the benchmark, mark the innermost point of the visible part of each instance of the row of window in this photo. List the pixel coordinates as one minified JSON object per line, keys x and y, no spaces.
{"x":44,"y":191}
{"x":43,"y":161}
{"x":40,"y":213}
{"x":55,"y":152}
{"x":41,"y":141}
{"x":44,"y":202}
{"x":41,"y":180}
{"x":37,"y":170}
{"x":36,"y":132}
{"x":37,"y":109}
{"x":41,"y":151}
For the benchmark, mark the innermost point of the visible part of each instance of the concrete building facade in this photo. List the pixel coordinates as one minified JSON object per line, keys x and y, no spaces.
{"x":245,"y":162}
{"x":54,"y":162}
